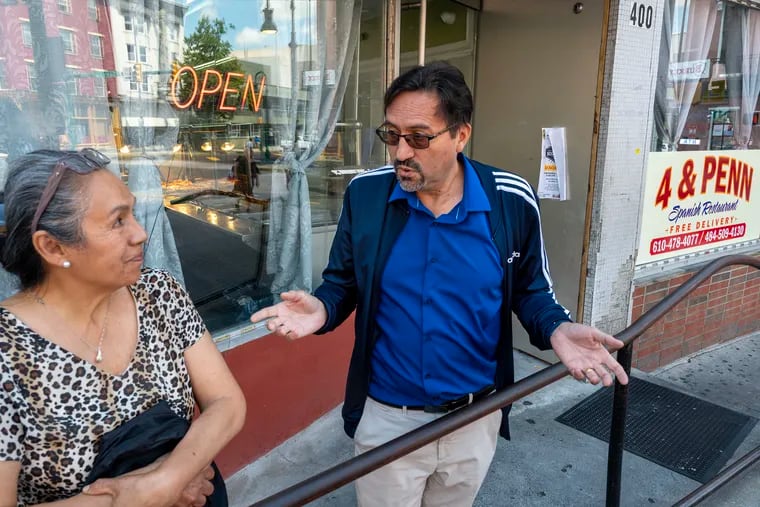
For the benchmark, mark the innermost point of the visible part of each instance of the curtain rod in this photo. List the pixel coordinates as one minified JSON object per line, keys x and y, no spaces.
{"x":752,"y":4}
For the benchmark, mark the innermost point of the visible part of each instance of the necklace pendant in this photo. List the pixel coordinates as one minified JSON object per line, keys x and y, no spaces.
{"x":99,"y":356}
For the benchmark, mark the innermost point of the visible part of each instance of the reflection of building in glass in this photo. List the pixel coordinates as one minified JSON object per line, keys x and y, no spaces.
{"x":145,"y":43}
{"x":71,"y":68}
{"x":56,"y":67}
{"x":147,"y":39}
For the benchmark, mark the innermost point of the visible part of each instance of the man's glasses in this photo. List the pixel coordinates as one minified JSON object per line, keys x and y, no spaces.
{"x":416,"y":140}
{"x":92,"y":159}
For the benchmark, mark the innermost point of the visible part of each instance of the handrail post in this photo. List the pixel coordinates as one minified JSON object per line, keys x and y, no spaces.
{"x":617,"y":431}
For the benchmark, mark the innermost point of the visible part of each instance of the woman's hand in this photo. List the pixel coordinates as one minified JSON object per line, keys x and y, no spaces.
{"x":198,"y":489}
{"x":152,"y":490}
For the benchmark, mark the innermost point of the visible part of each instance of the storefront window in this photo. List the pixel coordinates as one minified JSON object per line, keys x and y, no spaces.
{"x":237,"y":125}
{"x":709,"y":77}
{"x":699,"y":175}
{"x":449,"y":35}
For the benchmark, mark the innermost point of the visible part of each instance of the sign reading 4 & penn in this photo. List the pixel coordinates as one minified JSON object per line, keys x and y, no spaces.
{"x":698,"y":200}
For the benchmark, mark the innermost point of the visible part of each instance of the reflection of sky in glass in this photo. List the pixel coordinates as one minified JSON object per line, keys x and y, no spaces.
{"x":681,"y":15}
{"x":247,"y":16}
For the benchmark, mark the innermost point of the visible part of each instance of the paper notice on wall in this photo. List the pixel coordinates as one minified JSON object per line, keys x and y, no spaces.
{"x":553,"y":178}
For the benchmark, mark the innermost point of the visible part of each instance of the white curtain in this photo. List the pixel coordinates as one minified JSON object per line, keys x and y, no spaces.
{"x":152,"y":133}
{"x":150,"y":146}
{"x":160,"y":250}
{"x":750,"y":81}
{"x":673,"y":97}
{"x":289,"y":251}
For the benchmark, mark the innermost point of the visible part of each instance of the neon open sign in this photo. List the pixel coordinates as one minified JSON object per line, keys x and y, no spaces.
{"x":216,"y":84}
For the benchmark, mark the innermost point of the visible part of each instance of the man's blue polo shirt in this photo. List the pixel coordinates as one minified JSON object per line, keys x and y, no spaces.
{"x":440,"y":300}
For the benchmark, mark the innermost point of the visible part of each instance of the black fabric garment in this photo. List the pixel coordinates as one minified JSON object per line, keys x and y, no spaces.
{"x":143,"y":439}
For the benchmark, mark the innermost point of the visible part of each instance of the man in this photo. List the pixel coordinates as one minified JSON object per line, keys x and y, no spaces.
{"x":249,"y":149}
{"x":434,"y":254}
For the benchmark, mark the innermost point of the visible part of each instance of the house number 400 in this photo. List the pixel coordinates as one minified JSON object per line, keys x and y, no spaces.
{"x":641,"y":15}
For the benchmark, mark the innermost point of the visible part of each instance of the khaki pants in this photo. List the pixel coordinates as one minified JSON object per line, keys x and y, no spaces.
{"x":446,"y":472}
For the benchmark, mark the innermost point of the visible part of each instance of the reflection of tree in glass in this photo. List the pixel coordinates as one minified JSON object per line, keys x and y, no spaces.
{"x":205,"y":49}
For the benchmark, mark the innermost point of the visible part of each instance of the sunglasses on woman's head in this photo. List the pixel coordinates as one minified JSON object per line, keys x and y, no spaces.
{"x":92,"y":159}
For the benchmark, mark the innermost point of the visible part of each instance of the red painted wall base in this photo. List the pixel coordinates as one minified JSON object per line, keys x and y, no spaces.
{"x":287,"y":385}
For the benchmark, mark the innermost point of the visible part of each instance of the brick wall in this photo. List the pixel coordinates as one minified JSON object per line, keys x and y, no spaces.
{"x":724,"y":307}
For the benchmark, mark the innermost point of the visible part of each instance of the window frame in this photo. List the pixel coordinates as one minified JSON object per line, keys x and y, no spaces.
{"x":26,"y":33}
{"x":64,"y":6}
{"x":99,"y":38}
{"x":32,"y":80}
{"x":73,"y":88}
{"x":3,"y":75}
{"x":92,"y":10}
{"x":98,"y":84}
{"x":73,"y":40}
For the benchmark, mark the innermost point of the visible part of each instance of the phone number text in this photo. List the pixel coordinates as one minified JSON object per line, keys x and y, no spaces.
{"x":691,"y":239}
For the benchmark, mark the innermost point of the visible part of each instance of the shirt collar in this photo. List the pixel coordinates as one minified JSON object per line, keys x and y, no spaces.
{"x":474,"y":198}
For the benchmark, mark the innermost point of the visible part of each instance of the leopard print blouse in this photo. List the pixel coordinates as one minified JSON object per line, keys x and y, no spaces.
{"x":54,"y":406}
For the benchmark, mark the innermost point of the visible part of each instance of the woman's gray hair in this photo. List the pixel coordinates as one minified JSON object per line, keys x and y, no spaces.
{"x":27,"y":178}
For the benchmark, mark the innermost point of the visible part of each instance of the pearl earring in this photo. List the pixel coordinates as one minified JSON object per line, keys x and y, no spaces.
{"x":66,"y":264}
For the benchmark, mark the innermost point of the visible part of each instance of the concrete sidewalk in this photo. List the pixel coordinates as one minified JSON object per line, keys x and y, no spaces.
{"x":548,"y":463}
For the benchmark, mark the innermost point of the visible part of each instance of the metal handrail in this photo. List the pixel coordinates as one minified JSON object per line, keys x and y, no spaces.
{"x":351,"y":469}
{"x":627,"y":336}
{"x":707,"y":489}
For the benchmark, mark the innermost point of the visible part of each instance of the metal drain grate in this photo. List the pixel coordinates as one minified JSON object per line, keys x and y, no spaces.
{"x":690,"y":436}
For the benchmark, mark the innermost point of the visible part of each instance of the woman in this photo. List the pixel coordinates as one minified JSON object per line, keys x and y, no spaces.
{"x":244,"y":181}
{"x":92,"y":340}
